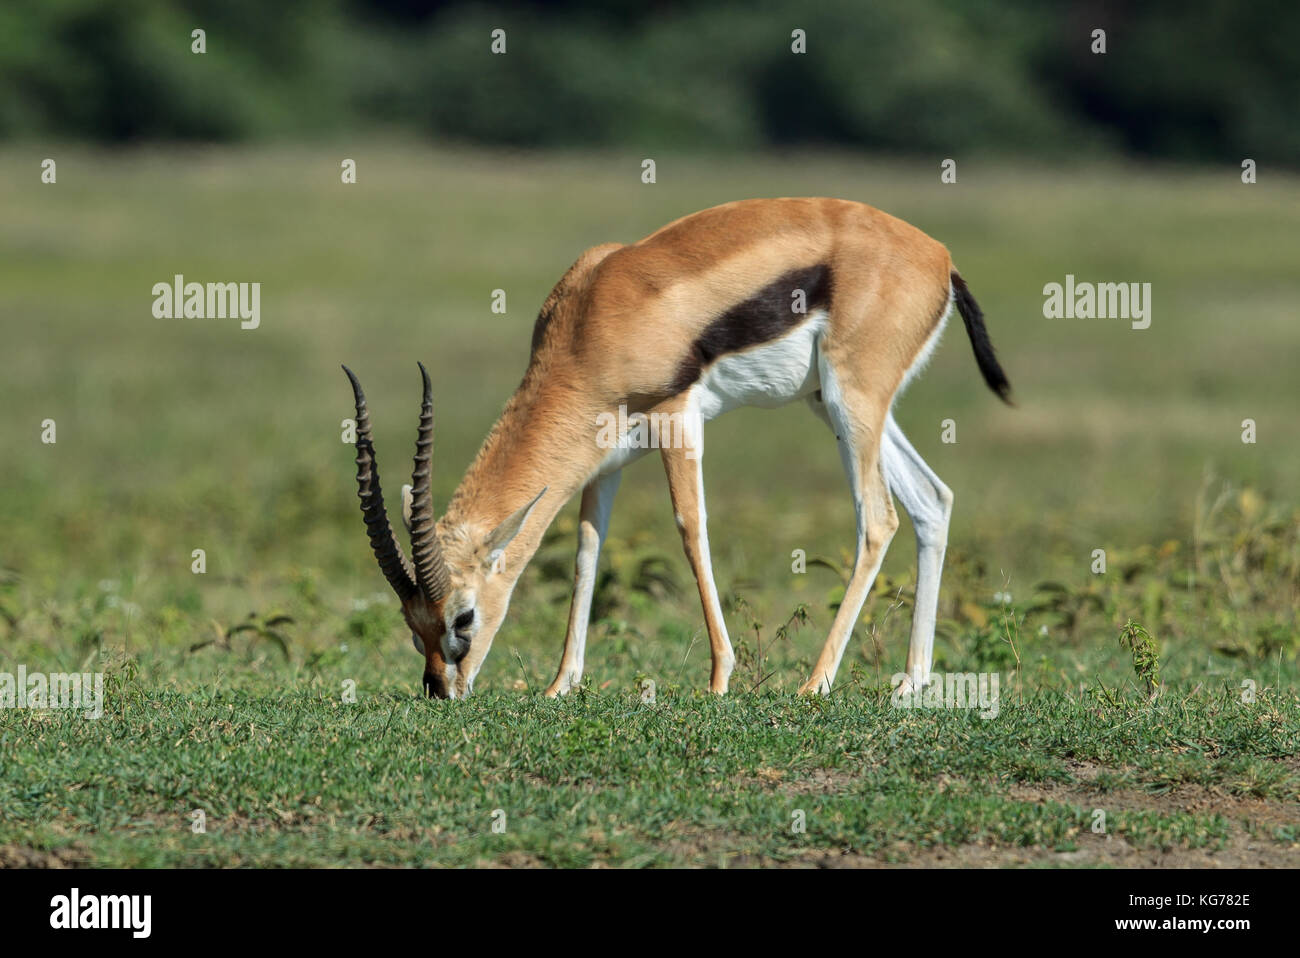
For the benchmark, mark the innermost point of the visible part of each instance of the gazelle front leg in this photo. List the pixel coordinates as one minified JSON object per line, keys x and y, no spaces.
{"x":593,"y":524}
{"x":682,"y":463}
{"x":877,"y":523}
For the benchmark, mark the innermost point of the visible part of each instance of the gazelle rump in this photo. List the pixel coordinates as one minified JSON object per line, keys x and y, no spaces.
{"x":757,"y":302}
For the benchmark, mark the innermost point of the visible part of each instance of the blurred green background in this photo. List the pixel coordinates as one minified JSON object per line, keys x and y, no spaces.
{"x":1211,"y":80}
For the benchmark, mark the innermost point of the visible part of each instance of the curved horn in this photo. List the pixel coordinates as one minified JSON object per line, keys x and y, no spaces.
{"x":430,"y":567}
{"x":382,"y":541}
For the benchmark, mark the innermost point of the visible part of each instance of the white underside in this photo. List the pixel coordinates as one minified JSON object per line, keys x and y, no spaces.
{"x":767,"y":376}
{"x":771,"y":375}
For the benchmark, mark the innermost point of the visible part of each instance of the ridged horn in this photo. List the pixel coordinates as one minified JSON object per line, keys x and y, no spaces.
{"x":382,"y":541}
{"x":430,"y":567}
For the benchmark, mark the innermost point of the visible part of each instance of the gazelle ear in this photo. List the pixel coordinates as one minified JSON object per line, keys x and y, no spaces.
{"x":407,"y":499}
{"x":503,"y":534}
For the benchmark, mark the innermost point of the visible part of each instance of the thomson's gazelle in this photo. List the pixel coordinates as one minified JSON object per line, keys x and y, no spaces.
{"x":758,"y":302}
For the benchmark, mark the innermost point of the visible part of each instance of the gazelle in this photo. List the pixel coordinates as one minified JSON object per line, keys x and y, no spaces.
{"x":758,"y":302}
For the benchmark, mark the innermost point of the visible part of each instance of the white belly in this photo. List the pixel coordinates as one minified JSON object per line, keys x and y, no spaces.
{"x":769,"y":375}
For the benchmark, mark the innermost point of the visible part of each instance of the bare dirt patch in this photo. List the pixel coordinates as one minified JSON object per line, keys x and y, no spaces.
{"x":20,"y":856}
{"x":1191,"y":799}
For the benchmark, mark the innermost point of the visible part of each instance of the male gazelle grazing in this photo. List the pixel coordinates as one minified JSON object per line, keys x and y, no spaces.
{"x":758,"y":302}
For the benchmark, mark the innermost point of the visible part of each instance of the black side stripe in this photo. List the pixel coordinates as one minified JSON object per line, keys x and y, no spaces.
{"x":765,"y":316}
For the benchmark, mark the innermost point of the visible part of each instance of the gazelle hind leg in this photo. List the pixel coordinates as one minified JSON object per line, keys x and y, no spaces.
{"x":682,"y":463}
{"x":857,"y":420}
{"x":929,"y":504}
{"x":593,"y":524}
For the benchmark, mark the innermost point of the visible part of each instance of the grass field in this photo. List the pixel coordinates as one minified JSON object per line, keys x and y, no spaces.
{"x":176,"y":435}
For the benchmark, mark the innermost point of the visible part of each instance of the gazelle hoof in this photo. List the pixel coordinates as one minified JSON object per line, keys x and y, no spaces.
{"x":815,"y":686}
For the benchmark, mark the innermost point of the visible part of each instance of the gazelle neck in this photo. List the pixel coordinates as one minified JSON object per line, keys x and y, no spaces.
{"x":545,"y":439}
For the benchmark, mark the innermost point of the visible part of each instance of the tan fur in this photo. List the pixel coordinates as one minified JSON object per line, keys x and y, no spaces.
{"x":616,"y":329}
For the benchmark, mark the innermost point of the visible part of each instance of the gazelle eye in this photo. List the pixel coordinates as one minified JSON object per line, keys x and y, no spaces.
{"x":464,"y":620}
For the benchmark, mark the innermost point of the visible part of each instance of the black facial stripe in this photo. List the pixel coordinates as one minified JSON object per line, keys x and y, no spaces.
{"x":434,"y":686}
{"x":765,"y":316}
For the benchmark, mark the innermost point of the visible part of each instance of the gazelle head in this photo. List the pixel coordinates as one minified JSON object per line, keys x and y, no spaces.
{"x":455,"y":592}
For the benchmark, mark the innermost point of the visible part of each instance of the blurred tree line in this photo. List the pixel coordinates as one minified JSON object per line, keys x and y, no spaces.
{"x":1213,"y":80}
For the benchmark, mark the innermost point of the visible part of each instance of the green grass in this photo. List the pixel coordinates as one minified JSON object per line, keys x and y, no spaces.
{"x":185,"y":434}
{"x":296,"y":777}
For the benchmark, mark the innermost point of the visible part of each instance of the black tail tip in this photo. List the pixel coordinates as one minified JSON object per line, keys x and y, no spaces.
{"x":985,"y":356}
